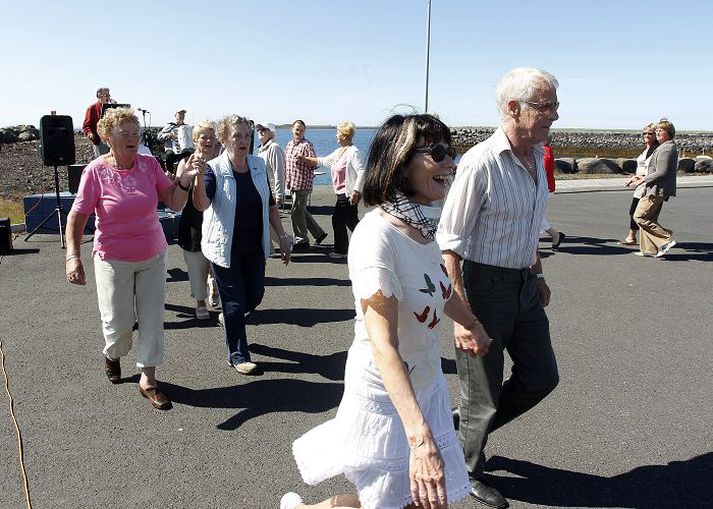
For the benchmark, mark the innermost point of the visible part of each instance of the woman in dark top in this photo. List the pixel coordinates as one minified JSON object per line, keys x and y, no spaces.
{"x":238,"y":206}
{"x":189,"y":227}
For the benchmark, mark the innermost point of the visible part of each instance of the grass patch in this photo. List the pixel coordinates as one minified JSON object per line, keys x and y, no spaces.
{"x":12,"y":209}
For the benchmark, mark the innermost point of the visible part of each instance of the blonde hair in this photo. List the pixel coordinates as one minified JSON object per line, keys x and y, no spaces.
{"x":202,"y":128}
{"x":231,"y":121}
{"x":346,"y":129}
{"x":113,"y":118}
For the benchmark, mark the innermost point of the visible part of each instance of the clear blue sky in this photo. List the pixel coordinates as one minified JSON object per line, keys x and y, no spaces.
{"x":619,"y":63}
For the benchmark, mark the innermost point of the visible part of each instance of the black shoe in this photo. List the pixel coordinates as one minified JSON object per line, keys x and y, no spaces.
{"x":300,"y":247}
{"x":556,"y":245}
{"x":321,"y":238}
{"x":487,"y":494}
{"x":456,"y":417}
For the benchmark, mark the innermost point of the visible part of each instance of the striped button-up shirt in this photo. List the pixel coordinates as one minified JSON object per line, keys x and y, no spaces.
{"x":493,"y":211}
{"x":298,"y":175}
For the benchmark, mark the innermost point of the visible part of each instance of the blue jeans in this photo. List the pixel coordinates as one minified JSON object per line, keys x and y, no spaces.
{"x":241,"y":288}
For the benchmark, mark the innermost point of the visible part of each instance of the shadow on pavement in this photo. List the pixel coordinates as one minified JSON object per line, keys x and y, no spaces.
{"x":17,"y":252}
{"x":312,"y":281}
{"x":683,"y":484}
{"x":259,"y":398}
{"x":303,"y":317}
{"x":690,"y":251}
{"x":329,"y":366}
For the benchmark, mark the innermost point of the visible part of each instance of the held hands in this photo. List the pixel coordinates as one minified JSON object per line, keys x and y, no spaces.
{"x":195,"y":167}
{"x":634,"y":181}
{"x":75,"y":272}
{"x":427,"y":475}
{"x":473,"y":340}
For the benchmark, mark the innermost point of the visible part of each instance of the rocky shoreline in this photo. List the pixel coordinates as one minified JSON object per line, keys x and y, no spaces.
{"x":22,"y":171}
{"x":596,"y":142}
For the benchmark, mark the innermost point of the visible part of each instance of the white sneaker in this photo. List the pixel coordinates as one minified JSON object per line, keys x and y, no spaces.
{"x":221,"y":320}
{"x":290,"y":500}
{"x":202,"y":313}
{"x":665,"y":249}
{"x":245,"y":367}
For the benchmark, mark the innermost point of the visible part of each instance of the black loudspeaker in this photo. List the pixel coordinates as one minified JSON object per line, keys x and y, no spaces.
{"x":74,"y":175}
{"x":57,"y":140}
{"x":5,"y":236}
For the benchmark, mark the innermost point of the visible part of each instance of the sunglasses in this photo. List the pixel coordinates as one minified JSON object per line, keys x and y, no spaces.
{"x":438,"y":152}
{"x":647,"y":133}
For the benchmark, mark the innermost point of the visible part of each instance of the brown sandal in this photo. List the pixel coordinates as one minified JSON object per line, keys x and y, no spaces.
{"x":112,"y":370}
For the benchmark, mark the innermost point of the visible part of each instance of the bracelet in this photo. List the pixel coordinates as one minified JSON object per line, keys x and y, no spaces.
{"x":284,"y":236}
{"x":71,"y":257}
{"x":182,"y":187}
{"x":540,"y":275}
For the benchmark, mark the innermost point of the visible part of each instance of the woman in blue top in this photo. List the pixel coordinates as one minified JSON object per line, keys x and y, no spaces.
{"x":234,"y":193}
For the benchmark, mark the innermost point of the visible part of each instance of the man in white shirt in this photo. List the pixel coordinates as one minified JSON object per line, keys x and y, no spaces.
{"x":490,"y":222}
{"x":177,"y":140}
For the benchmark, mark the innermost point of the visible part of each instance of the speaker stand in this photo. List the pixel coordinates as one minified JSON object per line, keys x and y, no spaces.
{"x":58,"y":210}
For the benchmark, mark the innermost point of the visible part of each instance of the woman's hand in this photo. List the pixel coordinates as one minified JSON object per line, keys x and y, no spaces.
{"x":195,"y":167}
{"x":285,"y":248}
{"x":427,"y":475}
{"x":474,"y":340}
{"x":75,"y":272}
{"x":302,"y":159}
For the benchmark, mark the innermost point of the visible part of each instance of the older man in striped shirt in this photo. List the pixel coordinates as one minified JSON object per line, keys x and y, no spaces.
{"x":491,"y":222}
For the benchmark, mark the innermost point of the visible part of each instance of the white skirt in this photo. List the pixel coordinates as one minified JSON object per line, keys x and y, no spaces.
{"x":367,"y":443}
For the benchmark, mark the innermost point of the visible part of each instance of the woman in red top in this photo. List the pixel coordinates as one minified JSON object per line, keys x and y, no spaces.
{"x":557,"y":236}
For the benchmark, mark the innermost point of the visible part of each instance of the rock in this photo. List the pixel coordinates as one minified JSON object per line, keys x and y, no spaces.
{"x":627,"y":165}
{"x":703,"y":164}
{"x":7,"y":136}
{"x":27,"y":136}
{"x":565,"y":165}
{"x":685,"y":165}
{"x":598,"y":166}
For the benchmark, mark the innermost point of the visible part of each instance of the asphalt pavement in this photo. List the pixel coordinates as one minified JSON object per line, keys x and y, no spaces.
{"x":629,"y":425}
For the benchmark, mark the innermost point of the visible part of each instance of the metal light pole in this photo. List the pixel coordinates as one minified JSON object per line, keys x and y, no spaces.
{"x":428,"y":52}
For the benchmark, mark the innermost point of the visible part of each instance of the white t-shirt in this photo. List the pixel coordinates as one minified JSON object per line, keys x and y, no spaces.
{"x":383,"y":257}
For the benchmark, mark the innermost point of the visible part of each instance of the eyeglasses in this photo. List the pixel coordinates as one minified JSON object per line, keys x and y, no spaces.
{"x":544,"y":107}
{"x":438,"y":152}
{"x":647,"y":133}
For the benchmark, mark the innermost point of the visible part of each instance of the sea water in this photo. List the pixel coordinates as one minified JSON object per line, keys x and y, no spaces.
{"x":324,"y":141}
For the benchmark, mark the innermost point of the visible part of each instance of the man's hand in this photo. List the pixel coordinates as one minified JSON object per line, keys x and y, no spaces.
{"x":543,"y":291}
{"x":354,"y":198}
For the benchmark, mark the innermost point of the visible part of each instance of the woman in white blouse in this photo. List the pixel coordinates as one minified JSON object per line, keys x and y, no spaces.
{"x":347,"y":181}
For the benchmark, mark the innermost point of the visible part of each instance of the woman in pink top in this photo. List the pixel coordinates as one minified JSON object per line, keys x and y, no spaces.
{"x":347,"y":180}
{"x":123,"y":188}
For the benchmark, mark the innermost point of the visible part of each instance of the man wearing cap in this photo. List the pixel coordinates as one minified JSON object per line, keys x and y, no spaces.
{"x":177,"y":140}
{"x":91,"y":119}
{"x":274,"y":159}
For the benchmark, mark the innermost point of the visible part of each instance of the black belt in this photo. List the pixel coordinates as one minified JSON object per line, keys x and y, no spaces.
{"x":501,"y":273}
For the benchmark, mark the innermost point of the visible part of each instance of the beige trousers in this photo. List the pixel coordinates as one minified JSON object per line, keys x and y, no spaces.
{"x":652,"y":235}
{"x":127,"y":292}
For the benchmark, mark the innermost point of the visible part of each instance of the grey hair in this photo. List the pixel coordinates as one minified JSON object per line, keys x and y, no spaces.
{"x":231,"y":121}
{"x":519,"y":85}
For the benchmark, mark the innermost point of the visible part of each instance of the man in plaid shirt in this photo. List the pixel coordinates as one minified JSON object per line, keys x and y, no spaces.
{"x":298,"y":178}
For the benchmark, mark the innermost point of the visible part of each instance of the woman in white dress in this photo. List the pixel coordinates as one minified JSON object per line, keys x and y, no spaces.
{"x":393,"y":435}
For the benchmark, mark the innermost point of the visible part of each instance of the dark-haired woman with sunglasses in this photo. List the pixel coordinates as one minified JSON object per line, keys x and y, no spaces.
{"x":642,"y":167}
{"x":393,"y":434}
{"x":347,"y":180}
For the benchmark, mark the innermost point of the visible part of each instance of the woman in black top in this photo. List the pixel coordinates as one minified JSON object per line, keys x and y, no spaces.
{"x":189,"y":227}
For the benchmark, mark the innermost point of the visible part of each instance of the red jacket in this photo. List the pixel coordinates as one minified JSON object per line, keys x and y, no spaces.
{"x":550,"y":168}
{"x":91,"y":119}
